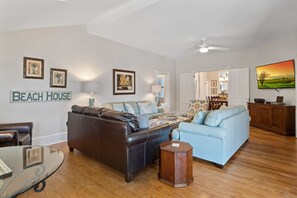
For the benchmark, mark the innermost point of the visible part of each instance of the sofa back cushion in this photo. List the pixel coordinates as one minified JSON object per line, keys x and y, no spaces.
{"x":214,"y":118}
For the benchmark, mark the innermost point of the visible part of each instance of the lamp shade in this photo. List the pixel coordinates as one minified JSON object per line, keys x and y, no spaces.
{"x":156,"y":89}
{"x":90,"y":86}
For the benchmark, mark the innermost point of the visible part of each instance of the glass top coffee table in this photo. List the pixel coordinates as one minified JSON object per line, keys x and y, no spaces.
{"x":30,"y":165}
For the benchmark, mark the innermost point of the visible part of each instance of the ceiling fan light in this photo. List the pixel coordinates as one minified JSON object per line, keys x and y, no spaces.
{"x":203,"y":50}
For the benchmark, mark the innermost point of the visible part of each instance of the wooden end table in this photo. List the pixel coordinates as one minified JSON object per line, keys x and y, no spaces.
{"x":175,"y":166}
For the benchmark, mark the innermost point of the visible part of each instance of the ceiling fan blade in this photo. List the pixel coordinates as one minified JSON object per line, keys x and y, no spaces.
{"x":218,"y":48}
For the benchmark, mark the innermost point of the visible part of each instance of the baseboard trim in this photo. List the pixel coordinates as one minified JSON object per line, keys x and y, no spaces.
{"x":50,"y":139}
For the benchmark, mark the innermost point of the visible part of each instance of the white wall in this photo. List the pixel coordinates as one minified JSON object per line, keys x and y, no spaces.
{"x":86,"y":57}
{"x":271,"y":52}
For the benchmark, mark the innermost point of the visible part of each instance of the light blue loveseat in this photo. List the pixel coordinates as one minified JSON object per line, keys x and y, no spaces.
{"x":216,"y":143}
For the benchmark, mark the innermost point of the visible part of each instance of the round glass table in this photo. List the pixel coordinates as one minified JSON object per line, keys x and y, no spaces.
{"x":30,"y":166}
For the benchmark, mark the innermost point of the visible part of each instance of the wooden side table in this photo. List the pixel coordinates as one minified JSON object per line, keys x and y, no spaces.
{"x":175,"y":166}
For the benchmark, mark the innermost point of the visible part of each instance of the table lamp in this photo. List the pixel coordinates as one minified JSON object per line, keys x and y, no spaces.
{"x":90,"y":87}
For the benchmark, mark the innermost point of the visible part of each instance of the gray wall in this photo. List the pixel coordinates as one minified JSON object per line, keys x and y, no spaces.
{"x":86,"y":57}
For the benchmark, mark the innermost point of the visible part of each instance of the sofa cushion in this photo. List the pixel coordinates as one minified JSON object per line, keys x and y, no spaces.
{"x":92,"y":111}
{"x":214,"y":118}
{"x":144,"y":107}
{"x":200,"y":117}
{"x":130,"y":118}
{"x":143,"y":120}
{"x":129,"y":108}
{"x":119,"y":107}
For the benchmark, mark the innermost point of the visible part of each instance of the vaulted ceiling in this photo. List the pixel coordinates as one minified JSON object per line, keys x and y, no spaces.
{"x":172,"y":28}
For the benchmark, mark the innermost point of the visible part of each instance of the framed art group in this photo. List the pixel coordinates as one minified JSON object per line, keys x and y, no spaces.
{"x":34,"y":68}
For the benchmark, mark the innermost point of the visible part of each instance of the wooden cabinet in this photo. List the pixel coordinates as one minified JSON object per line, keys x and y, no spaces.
{"x":276,"y":118}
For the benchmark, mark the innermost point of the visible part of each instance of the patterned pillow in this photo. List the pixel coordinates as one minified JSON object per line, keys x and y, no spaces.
{"x":129,"y":108}
{"x":154,"y":107}
{"x":119,"y":107}
{"x":195,"y":106}
{"x":145,"y":108}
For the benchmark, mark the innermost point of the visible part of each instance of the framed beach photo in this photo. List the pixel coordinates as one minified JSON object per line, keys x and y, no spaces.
{"x":58,"y":78}
{"x":123,"y":82}
{"x":33,"y":68}
{"x":33,"y":156}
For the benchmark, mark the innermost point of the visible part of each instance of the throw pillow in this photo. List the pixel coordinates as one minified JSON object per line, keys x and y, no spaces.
{"x":143,"y":120}
{"x":154,"y":107}
{"x":129,"y":108}
{"x":212,"y":118}
{"x":200,"y":117}
{"x":119,"y":107}
{"x":195,"y":106}
{"x":145,"y":108}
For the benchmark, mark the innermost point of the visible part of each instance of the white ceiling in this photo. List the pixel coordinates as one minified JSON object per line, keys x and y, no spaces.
{"x":172,"y":28}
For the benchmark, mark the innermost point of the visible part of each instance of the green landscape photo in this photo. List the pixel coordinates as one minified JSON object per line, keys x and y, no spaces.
{"x":277,"y":75}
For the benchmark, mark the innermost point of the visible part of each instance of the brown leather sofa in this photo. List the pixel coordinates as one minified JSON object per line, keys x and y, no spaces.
{"x":13,"y":134}
{"x":114,"y":138}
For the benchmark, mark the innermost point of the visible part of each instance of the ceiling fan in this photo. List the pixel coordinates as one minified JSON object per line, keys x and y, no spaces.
{"x":204,"y":47}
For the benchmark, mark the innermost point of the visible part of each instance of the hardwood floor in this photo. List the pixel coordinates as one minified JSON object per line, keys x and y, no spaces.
{"x":265,"y":166}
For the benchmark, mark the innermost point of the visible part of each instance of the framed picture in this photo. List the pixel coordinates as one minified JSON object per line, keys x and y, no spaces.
{"x":58,"y":78}
{"x":33,"y":156}
{"x":123,"y":82}
{"x":33,"y":68}
{"x":213,"y":83}
{"x":213,"y":91}
{"x":279,"y":99}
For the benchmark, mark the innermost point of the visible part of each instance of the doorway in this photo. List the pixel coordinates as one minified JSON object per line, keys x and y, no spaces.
{"x":163,"y":79}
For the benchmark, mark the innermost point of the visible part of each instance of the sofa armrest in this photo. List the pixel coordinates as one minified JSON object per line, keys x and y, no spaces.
{"x":148,"y":134}
{"x":23,"y":127}
{"x":9,"y":136}
{"x":204,"y":130}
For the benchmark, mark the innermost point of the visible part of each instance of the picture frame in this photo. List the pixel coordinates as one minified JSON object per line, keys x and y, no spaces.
{"x":33,"y":156}
{"x":33,"y":68}
{"x":279,"y":99}
{"x":58,"y":78}
{"x":123,"y":82}
{"x":213,"y":83}
{"x":213,"y":91}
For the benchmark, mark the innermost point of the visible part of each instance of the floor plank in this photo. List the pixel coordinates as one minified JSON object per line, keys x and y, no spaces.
{"x":265,"y":166}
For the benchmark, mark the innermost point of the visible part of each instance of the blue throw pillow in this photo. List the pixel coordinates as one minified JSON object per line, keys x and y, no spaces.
{"x":144,"y":107}
{"x":143,"y":120}
{"x":129,"y":108}
{"x":212,"y":118}
{"x":154,"y":107}
{"x":200,"y":116}
{"x":119,"y":107}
